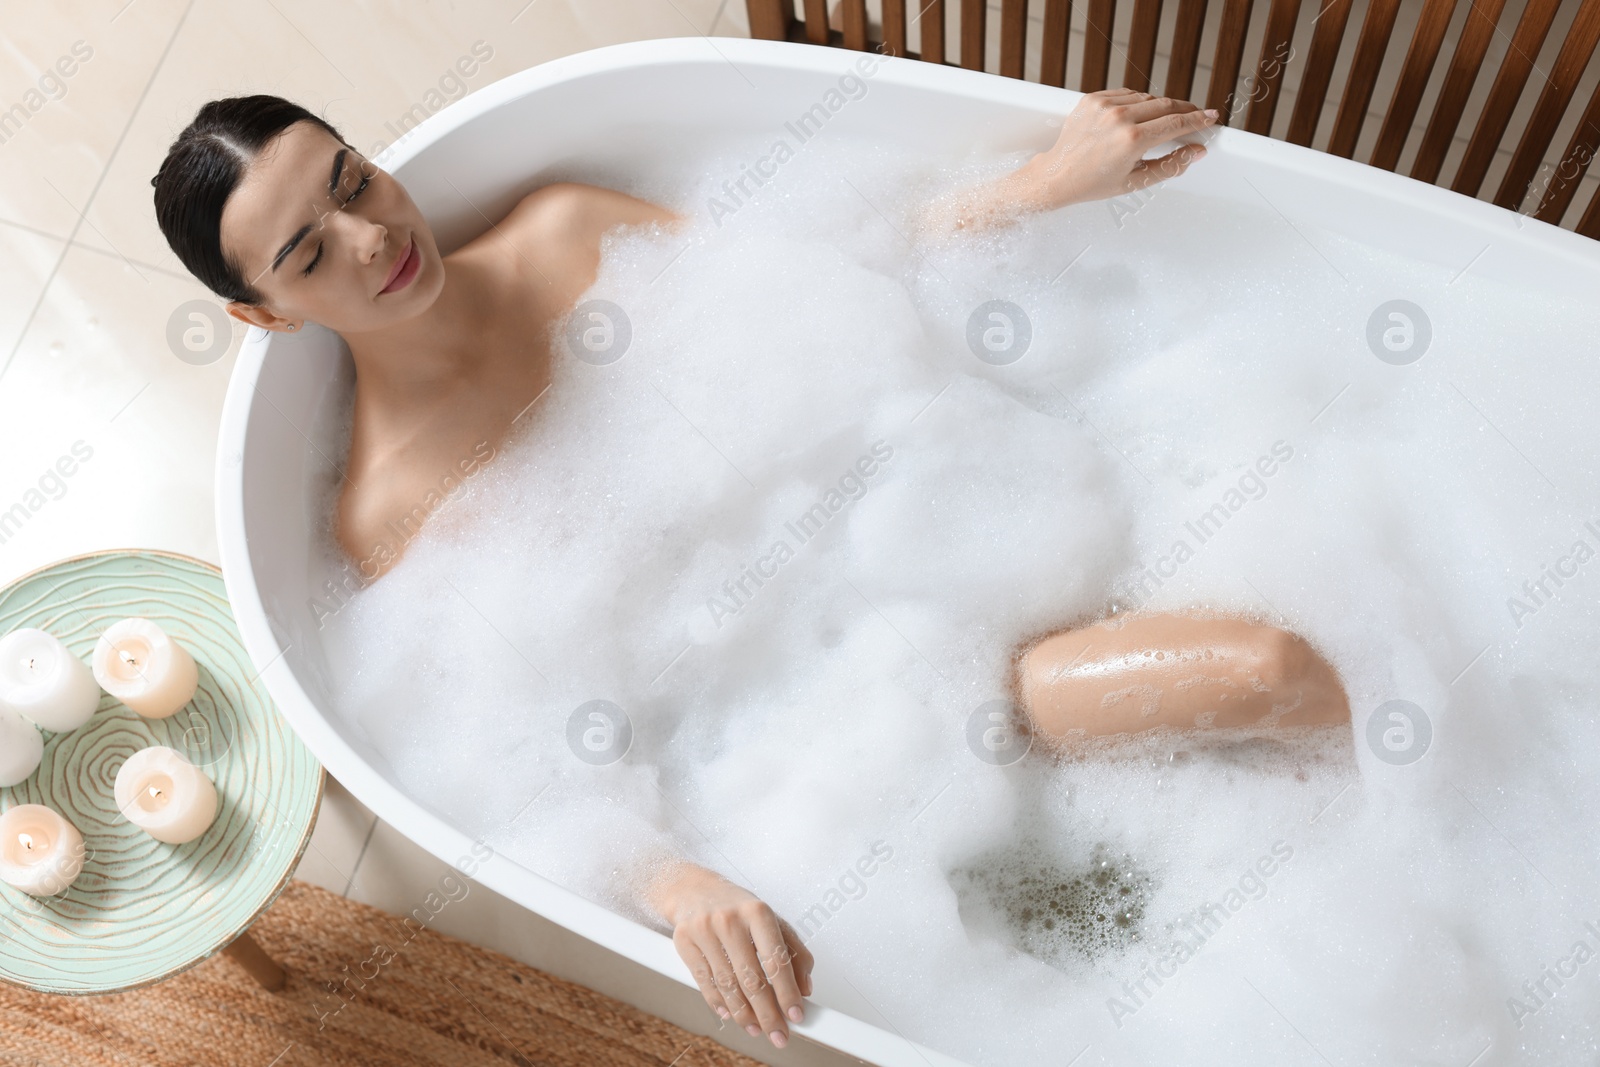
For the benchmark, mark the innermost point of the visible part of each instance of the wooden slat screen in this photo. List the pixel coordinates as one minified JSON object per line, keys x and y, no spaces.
{"x":1529,"y":184}
{"x":1229,"y":54}
{"x":1097,"y":45}
{"x":1185,"y":48}
{"x":1053,"y":43}
{"x":1328,"y":31}
{"x":1142,"y":45}
{"x":1374,"y":39}
{"x":1270,"y":68}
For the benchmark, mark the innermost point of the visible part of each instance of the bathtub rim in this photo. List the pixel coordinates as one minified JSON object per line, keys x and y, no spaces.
{"x":830,"y":1027}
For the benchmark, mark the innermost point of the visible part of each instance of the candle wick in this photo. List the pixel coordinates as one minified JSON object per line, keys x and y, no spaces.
{"x":27,"y":841}
{"x":127,"y":657}
{"x":30,"y":663}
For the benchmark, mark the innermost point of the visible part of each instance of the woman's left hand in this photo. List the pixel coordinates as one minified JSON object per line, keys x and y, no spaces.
{"x":1100,"y":151}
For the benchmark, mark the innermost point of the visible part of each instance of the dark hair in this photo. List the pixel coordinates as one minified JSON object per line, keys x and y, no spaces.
{"x":201,"y":170}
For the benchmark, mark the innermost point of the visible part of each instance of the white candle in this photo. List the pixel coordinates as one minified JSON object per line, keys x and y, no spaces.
{"x":40,"y":852}
{"x":140,"y":665}
{"x":165,"y":795}
{"x":21,"y":747}
{"x":44,"y":682}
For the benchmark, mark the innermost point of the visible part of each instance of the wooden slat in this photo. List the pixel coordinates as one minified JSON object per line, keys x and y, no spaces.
{"x":1508,"y":83}
{"x":931,"y":21}
{"x":855,"y":24}
{"x":1589,"y":225}
{"x":1142,"y":45}
{"x":1574,"y":163}
{"x":1536,"y":136}
{"x":1013,"y":36}
{"x":770,"y":19}
{"x":1414,"y":73}
{"x":1268,"y":74}
{"x":1482,"y":17}
{"x":1191,"y":23}
{"x":1376,"y":29}
{"x":1326,"y":37}
{"x":1053,"y":45}
{"x":894,"y":27}
{"x":1097,"y":45}
{"x":974,"y":25}
{"x":1230,"y":50}
{"x":816,"y":12}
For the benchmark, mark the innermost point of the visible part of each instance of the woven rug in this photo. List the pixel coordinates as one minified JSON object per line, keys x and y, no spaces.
{"x":435,"y":1000}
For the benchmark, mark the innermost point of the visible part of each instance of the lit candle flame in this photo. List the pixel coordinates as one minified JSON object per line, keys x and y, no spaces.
{"x":127,"y":657}
{"x":155,"y":792}
{"x":27,"y":841}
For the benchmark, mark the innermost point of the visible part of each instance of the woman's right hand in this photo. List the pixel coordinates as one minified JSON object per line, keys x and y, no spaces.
{"x":749,"y":963}
{"x":1099,"y":153}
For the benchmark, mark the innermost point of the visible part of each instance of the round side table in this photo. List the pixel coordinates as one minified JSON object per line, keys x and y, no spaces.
{"x":142,"y":910}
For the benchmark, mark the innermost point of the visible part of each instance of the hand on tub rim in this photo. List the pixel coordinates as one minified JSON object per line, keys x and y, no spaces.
{"x":749,"y":963}
{"x":1098,"y":154}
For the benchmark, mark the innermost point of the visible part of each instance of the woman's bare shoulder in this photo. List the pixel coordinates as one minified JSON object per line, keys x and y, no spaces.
{"x":557,"y":231}
{"x":577,"y":211}
{"x":386,"y":499}
{"x":365,"y":523}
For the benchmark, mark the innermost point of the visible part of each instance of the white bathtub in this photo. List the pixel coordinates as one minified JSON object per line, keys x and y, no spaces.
{"x":624,"y":107}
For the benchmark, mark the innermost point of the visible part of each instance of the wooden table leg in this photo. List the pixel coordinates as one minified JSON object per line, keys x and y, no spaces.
{"x":253,"y":958}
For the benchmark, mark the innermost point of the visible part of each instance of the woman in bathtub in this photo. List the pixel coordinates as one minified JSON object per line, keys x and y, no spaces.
{"x":268,"y":206}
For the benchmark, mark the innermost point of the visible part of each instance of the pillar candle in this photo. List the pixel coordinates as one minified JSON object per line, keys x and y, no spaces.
{"x":21,"y":747}
{"x":44,"y":682}
{"x":139,"y":664}
{"x":165,"y":795}
{"x":40,"y":852}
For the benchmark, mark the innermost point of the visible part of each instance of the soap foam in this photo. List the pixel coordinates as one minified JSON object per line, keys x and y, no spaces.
{"x":811,"y":351}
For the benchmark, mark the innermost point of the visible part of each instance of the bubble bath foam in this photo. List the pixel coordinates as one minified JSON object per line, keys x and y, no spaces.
{"x":738,"y":591}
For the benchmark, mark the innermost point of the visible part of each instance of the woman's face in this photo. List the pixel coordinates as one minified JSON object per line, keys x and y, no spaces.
{"x":319,"y":232}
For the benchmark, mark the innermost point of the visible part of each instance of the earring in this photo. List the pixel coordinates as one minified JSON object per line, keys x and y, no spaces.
{"x":291,"y":326}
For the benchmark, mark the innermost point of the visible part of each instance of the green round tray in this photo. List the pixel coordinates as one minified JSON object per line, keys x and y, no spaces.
{"x":143,"y":910}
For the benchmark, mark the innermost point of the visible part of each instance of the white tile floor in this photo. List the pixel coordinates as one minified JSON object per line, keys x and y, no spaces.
{"x":89,"y":285}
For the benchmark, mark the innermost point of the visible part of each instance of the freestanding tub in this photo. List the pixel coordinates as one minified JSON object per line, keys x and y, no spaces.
{"x":623,"y":107}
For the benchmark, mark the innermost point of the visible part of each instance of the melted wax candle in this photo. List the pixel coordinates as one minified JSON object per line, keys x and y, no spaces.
{"x":21,"y":747}
{"x":140,"y":665}
{"x":41,"y":680}
{"x":165,"y":795}
{"x":40,"y":852}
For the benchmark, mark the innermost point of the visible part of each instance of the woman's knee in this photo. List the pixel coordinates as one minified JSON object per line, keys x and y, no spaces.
{"x":1278,"y":679}
{"x":1278,"y":658}
{"x":1295,"y":672}
{"x":1174,"y":670}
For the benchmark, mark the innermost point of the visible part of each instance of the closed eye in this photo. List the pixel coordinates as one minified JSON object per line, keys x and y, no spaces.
{"x":361,"y":188}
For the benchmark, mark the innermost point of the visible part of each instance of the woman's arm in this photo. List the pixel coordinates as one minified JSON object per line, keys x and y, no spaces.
{"x":1098,"y":154}
{"x":748,"y":962}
